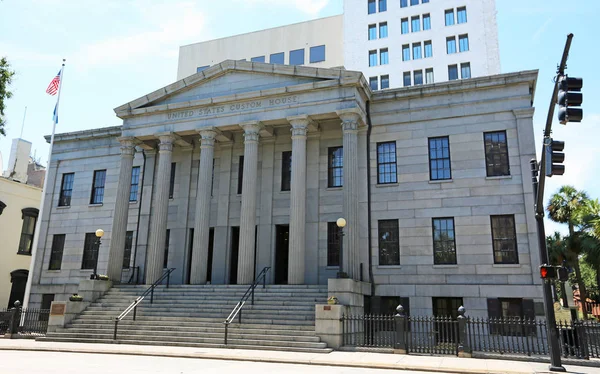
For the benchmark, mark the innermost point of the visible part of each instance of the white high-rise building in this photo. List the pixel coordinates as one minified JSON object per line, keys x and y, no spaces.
{"x":393,"y":43}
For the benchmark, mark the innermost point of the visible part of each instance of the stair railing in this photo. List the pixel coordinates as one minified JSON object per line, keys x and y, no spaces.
{"x":237,"y":311}
{"x":133,"y":306}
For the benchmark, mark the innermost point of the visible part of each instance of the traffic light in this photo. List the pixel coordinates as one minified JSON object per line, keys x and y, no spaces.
{"x":548,"y":272}
{"x":569,"y":96}
{"x":554,"y":157}
{"x":563,"y":273}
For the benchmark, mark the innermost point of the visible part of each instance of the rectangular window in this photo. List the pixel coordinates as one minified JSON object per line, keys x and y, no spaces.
{"x":167,"y":240}
{"x":463,"y":43}
{"x":333,"y":244}
{"x":135,"y":182}
{"x":403,"y":3}
{"x":286,"y":170}
{"x":451,"y":45}
{"x":258,"y":59}
{"x":406,"y":79}
{"x":424,"y":1}
{"x":372,"y":32}
{"x":297,"y":57}
{"x":444,"y":243}
{"x":504,"y":239}
{"x":465,"y":70}
{"x":428,"y":49}
{"x":449,"y":17}
{"x":509,"y":308}
{"x":372,"y":6}
{"x":452,"y":72}
{"x":418,"y":76}
{"x":404,"y":26}
{"x":382,"y":5}
{"x":90,"y":251}
{"x":47,"y":300}
{"x":385,"y":82}
{"x":317,"y":54}
{"x":373,"y":58}
{"x":426,"y":22}
{"x":429,"y":75}
{"x":127,"y":252}
{"x":383,"y":30}
{"x":406,"y":52}
{"x":29,"y":216}
{"x":335,"y":167}
{"x":98,"y":187}
{"x":417,"y":55}
{"x":240,"y":175}
{"x":56,"y":254}
{"x":277,"y":58}
{"x":439,"y":158}
{"x":389,"y":242}
{"x":415,"y":24}
{"x":66,"y":189}
{"x":383,"y":56}
{"x":202,"y":68}
{"x":373,"y":83}
{"x":386,"y":163}
{"x":496,"y":153}
{"x":446,"y":306}
{"x":172,"y":180}
{"x":461,"y":15}
{"x":414,"y":2}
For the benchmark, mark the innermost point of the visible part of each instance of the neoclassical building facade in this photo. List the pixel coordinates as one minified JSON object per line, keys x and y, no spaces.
{"x":249,"y":165}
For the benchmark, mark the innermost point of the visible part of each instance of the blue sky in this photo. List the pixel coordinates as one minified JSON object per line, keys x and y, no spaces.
{"x":118,"y":50}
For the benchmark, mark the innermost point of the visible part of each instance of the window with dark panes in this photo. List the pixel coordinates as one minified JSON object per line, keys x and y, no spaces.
{"x":414,"y":2}
{"x":452,"y":72}
{"x":461,"y":15}
{"x":496,"y":154}
{"x":47,"y":300}
{"x":277,"y":58}
{"x":388,"y":305}
{"x":372,"y":32}
{"x":428,"y":49}
{"x":127,"y":251}
{"x":385,"y":82}
{"x":135,"y":183}
{"x":404,"y":26}
{"x":501,"y":309}
{"x":386,"y":163}
{"x":202,"y":68}
{"x":29,"y":217}
{"x":297,"y":57}
{"x":504,"y":239}
{"x":371,"y":6}
{"x":382,"y":5}
{"x":373,"y":58}
{"x":444,"y":243}
{"x":389,"y":242}
{"x":240,"y":174}
{"x":258,"y":59}
{"x":90,"y":251}
{"x":373,"y":83}
{"x":417,"y":51}
{"x":383,"y":56}
{"x":451,"y":44}
{"x":98,"y":187}
{"x":333,"y":244}
{"x":406,"y":78}
{"x":426,"y":22}
{"x":465,"y":70}
{"x":446,"y":306}
{"x":335,"y":167}
{"x":167,"y":240}
{"x":418,"y":77}
{"x":66,"y":189}
{"x":286,"y":170}
{"x":403,"y":3}
{"x":172,"y":179}
{"x":439,"y":158}
{"x":383,"y":30}
{"x":317,"y":54}
{"x":56,"y":252}
{"x":406,"y":52}
{"x":463,"y":43}
{"x":415,"y":24}
{"x":449,"y":17}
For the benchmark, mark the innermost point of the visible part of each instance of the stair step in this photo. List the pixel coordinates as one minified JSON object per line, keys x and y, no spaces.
{"x":237,"y":333}
{"x":144,"y":323}
{"x":185,"y":320}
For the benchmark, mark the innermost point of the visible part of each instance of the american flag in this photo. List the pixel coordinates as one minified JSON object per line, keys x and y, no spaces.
{"x":53,"y":86}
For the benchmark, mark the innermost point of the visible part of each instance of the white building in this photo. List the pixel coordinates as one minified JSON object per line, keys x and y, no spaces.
{"x":393,"y":43}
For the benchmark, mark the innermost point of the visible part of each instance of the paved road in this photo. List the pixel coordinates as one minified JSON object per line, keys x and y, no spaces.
{"x":78,"y":363}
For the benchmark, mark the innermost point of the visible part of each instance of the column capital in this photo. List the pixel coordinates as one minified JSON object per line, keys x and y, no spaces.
{"x":251,"y":130}
{"x":207,"y":137}
{"x":351,"y":118}
{"x":166,"y":141}
{"x":128,"y":144}
{"x":300,"y":125}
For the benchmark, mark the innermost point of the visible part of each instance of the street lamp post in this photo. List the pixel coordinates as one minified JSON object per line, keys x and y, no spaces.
{"x":99,"y":235}
{"x":341,"y":223}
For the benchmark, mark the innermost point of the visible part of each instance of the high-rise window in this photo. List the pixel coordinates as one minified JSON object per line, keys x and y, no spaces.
{"x":385,"y":82}
{"x":461,"y":15}
{"x":383,"y":30}
{"x":444,"y":244}
{"x":373,"y":58}
{"x":98,"y":187}
{"x":277,"y":58}
{"x":418,"y":77}
{"x":135,"y":182}
{"x":403,"y":3}
{"x":172,"y":180}
{"x":405,"y":52}
{"x":317,"y":54}
{"x":465,"y":70}
{"x":286,"y":170}
{"x":504,"y":239}
{"x":428,"y":49}
{"x":382,"y":5}
{"x":406,"y":79}
{"x":404,"y":26}
{"x":386,"y":163}
{"x":29,"y":216}
{"x":372,"y":32}
{"x":127,"y":251}
{"x":429,"y":76}
{"x":414,"y":2}
{"x":66,"y":189}
{"x":335,"y":167}
{"x":463,"y":43}
{"x":417,"y":51}
{"x":415,"y":24}
{"x":373,"y":83}
{"x":452,"y":72}
{"x":56,"y":253}
{"x":450,"y":44}
{"x":496,"y":153}
{"x":297,"y":57}
{"x":426,"y":22}
{"x":166,"y":258}
{"x":90,"y":252}
{"x":389,"y":242}
{"x":449,"y":17}
{"x":424,"y":1}
{"x":383,"y":56}
{"x":333,"y":244}
{"x":258,"y":59}
{"x":439,"y":158}
{"x":202,"y":68}
{"x":240,"y":174}
{"x":371,"y":6}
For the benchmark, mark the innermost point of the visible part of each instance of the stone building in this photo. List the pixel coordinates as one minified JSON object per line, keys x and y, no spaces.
{"x":248,"y":165}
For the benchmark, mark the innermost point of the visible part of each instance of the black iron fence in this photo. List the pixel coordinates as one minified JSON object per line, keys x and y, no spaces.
{"x":452,"y":336}
{"x":17,"y":321}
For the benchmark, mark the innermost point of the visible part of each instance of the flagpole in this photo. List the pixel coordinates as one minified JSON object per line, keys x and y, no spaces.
{"x":38,"y":224}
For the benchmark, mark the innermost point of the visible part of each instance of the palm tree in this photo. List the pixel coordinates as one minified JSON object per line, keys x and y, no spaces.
{"x":591,"y":225}
{"x":558,"y":255}
{"x":566,"y":206}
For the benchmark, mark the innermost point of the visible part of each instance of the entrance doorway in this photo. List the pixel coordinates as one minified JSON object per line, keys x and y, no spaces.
{"x":282,"y":250}
{"x":18,"y":278}
{"x":211,"y":240}
{"x":235,"y":250}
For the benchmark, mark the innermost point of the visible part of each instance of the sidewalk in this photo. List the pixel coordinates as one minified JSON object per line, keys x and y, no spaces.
{"x":345,"y":359}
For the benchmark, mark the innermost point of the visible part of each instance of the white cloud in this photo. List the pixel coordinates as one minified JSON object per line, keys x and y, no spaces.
{"x":311,"y":7}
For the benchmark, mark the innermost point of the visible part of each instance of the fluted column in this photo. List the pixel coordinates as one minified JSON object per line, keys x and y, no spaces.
{"x":297,"y":244}
{"x":351,"y":265}
{"x":202,"y":220}
{"x":158,"y":224}
{"x":248,"y":213}
{"x":119,"y":223}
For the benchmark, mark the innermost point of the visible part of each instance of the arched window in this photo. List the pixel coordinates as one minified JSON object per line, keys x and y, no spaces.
{"x":2,"y":206}
{"x":30,"y":216}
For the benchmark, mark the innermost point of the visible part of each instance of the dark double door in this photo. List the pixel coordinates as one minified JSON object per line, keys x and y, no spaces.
{"x":282,"y":252}
{"x":211,"y":240}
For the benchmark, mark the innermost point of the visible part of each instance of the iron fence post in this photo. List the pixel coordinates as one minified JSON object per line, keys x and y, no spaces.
{"x":400,"y":338}
{"x":464,"y":350}
{"x":582,"y":339}
{"x":168,"y":277}
{"x":252,"y":294}
{"x":265,"y":280}
{"x":116,"y":326}
{"x":134,"y":312}
{"x":226,"y":326}
{"x":152,"y":295}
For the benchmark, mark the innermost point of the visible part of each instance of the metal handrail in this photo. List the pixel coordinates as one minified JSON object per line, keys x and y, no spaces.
{"x":237,"y":310}
{"x":135,"y":303}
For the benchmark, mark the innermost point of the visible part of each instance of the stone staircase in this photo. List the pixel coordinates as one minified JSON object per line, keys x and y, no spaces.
{"x":282,"y":318}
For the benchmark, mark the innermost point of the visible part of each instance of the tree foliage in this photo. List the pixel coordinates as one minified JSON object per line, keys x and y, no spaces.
{"x":6,"y":75}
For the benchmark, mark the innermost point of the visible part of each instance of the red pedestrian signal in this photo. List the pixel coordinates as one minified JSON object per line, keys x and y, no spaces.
{"x":548,"y":272}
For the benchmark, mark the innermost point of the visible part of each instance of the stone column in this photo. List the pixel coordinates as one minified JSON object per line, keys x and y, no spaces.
{"x":120,"y":215}
{"x":202,"y":220}
{"x":350,"y":119}
{"x":158,"y":224}
{"x":248,"y":213}
{"x":297,"y":249}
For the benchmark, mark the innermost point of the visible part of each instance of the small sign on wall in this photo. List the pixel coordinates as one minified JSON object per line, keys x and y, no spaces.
{"x":58,"y":309}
